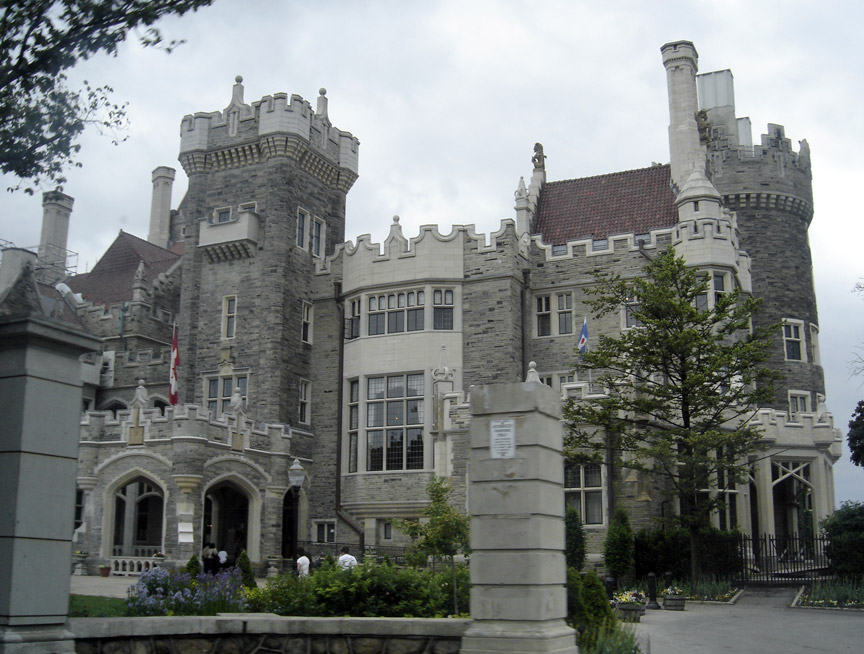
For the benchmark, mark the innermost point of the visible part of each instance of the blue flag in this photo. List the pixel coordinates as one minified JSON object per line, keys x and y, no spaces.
{"x":583,"y":337}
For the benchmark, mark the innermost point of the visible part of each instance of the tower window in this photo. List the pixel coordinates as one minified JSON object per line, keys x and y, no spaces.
{"x":229,"y":316}
{"x":792,"y":341}
{"x":306,"y":328}
{"x":442,"y":309}
{"x":302,"y":227}
{"x":305,"y":395}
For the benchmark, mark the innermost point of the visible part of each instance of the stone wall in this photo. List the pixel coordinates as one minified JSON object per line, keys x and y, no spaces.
{"x":260,"y":633}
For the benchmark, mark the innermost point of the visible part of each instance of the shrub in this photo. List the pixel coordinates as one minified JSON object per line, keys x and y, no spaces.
{"x":615,"y":640}
{"x":659,"y":551}
{"x":165,"y":592}
{"x":193,"y":567}
{"x":845,"y":550}
{"x":574,"y":538}
{"x":618,"y":546}
{"x":245,"y":566}
{"x":598,"y":613}
{"x":575,"y":603}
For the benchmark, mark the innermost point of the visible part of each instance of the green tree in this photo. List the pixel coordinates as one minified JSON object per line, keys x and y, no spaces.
{"x":855,"y":437}
{"x":574,"y":539}
{"x":845,"y":531}
{"x":679,"y":387}
{"x":444,"y":533}
{"x":41,"y":118}
{"x":618,"y":546}
{"x":245,"y":566}
{"x":193,"y":566}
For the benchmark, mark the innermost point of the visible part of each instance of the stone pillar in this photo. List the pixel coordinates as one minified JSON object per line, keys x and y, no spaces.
{"x":40,"y":401}
{"x":765,"y":496}
{"x":56,"y":210}
{"x":518,"y":595}
{"x":686,"y":153}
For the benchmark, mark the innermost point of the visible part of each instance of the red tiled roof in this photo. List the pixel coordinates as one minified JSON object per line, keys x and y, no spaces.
{"x":111,"y":279}
{"x":628,"y":202}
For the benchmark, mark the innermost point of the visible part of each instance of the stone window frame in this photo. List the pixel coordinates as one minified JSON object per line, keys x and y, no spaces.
{"x":304,"y":402}
{"x":628,"y":321}
{"x":793,"y":335}
{"x":229,"y":317}
{"x":325,"y":528}
{"x":248,"y":207}
{"x":443,"y":305}
{"x":394,"y":312}
{"x":318,"y":237}
{"x":582,"y":491}
{"x":391,"y":415}
{"x":303,"y":228}
{"x":352,"y":323}
{"x":543,"y":315}
{"x":353,"y":424}
{"x":306,"y":318}
{"x":218,"y":403}
{"x":799,"y":402}
{"x":550,"y":308}
{"x":564,"y":307}
{"x":720,"y":282}
{"x":222,"y":215}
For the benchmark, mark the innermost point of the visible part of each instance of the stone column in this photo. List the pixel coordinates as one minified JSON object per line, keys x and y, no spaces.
{"x":516,"y":495}
{"x":40,"y":401}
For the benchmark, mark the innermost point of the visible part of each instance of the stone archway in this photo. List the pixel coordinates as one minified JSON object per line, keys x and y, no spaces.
{"x":138,"y":510}
{"x":227,"y":518}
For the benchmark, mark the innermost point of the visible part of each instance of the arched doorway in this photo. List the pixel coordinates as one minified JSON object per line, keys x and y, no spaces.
{"x":226,"y":519}
{"x":138,"y":518}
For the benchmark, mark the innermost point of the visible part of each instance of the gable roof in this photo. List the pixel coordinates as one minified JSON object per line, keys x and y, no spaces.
{"x":628,"y":202}
{"x":112,"y":277}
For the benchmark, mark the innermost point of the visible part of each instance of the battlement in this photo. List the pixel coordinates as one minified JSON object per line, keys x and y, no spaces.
{"x":278,"y":125}
{"x":802,"y":430}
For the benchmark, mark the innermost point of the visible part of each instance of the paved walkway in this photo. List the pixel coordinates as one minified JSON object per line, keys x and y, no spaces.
{"x":761,"y":622}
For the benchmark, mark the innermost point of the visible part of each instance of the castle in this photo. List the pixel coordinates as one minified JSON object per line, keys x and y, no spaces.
{"x":353,"y":360}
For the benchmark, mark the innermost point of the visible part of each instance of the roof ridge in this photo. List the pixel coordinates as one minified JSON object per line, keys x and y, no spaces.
{"x":618,"y":172}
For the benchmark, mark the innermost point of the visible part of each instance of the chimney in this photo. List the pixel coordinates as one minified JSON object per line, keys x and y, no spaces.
{"x":686,"y":152}
{"x":56,"y":209}
{"x":160,"y":207}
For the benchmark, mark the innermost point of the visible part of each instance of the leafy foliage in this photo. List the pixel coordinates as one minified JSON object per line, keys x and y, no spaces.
{"x":679,"y":387}
{"x":855,"y":437}
{"x":193,"y":566}
{"x":845,"y":529}
{"x":618,"y":546}
{"x":574,"y":539}
{"x":245,"y":566}
{"x":40,"y":117}
{"x":444,"y":534}
{"x":599,"y":616}
{"x":659,"y":551}
{"x":165,"y":592}
{"x":371,"y":590}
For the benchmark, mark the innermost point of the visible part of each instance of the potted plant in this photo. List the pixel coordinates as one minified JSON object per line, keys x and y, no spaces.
{"x":628,"y":605}
{"x":104,"y":570}
{"x":673,"y":599}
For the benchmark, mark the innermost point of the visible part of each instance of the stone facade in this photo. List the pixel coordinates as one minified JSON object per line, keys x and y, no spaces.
{"x":358,"y":358}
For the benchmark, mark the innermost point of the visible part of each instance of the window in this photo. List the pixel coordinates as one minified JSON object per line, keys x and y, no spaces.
{"x":303,"y":408}
{"x":325,"y":532}
{"x":229,"y":316}
{"x":353,"y":422}
{"x":546,"y":379}
{"x":306,"y":328}
{"x":352,"y":323}
{"x":442,"y":315}
{"x":318,"y":243}
{"x":792,"y":344}
{"x":630,"y":319}
{"x":583,"y":490}
{"x":718,"y":285}
{"x":377,"y":315}
{"x":219,"y":391}
{"x":544,"y":319}
{"x":799,"y":401}
{"x":565,"y":313}
{"x":414,"y":311}
{"x":222,"y":215}
{"x":302,"y":227}
{"x":248,"y":206}
{"x":388,"y":531}
{"x":565,"y":379}
{"x":79,"y":508}
{"x":394,"y":419}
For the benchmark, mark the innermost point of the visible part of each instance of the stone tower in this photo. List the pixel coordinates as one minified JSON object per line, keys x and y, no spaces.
{"x":266,"y":201}
{"x":769,"y":188}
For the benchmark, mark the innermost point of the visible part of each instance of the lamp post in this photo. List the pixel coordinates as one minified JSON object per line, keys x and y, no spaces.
{"x":296,"y":477}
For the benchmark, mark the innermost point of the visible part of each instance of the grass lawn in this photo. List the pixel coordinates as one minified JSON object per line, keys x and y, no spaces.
{"x":95,"y":606}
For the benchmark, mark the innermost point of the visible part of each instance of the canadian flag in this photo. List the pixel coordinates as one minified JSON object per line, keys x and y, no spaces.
{"x":172,"y":374}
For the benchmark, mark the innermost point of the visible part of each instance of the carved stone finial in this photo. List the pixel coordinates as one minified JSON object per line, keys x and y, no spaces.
{"x":532,"y":372}
{"x":322,"y":91}
{"x":442,"y":373}
{"x":521,"y":191}
{"x":539,"y":159}
{"x":239,"y":79}
{"x":395,"y":220}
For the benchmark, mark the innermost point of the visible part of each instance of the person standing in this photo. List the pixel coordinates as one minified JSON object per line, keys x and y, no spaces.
{"x":346,"y":560}
{"x":302,"y":563}
{"x":223,"y":558}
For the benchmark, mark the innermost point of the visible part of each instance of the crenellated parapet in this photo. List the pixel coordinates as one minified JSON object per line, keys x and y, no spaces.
{"x":800,"y":431}
{"x":275,"y":126}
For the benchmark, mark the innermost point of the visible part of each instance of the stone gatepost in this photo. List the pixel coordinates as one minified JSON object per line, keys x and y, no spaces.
{"x":40,"y":408}
{"x":518,"y":573}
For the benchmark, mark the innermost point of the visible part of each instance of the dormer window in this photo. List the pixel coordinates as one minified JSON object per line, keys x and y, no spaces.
{"x":222,"y":215}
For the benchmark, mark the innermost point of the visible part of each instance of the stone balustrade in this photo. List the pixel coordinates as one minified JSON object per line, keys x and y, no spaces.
{"x":131,"y":565}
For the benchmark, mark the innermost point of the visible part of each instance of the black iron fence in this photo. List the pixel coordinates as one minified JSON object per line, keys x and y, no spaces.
{"x":782,"y":559}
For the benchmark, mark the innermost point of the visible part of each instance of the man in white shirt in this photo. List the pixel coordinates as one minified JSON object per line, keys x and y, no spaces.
{"x":346,"y":561}
{"x":302,"y":563}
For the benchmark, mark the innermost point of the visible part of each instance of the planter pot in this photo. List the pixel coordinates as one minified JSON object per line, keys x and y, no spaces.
{"x":104,"y":570}
{"x":673,"y":602}
{"x":629,"y":612}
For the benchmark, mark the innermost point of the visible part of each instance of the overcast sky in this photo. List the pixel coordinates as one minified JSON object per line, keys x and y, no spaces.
{"x":448,"y":98}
